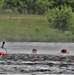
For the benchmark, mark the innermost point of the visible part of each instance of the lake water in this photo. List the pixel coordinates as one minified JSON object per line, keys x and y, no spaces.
{"x":42,"y":47}
{"x":21,"y":61}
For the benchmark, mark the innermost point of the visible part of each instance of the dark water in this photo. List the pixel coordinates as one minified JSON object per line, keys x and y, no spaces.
{"x":36,"y":64}
{"x":21,"y":61}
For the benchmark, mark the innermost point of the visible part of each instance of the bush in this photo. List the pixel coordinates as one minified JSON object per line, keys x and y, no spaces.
{"x":61,"y":18}
{"x":8,"y":11}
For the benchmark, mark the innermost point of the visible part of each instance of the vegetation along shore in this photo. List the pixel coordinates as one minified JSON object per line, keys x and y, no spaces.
{"x":37,"y":20}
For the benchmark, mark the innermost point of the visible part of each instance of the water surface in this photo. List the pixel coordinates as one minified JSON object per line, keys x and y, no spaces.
{"x":42,"y":47}
{"x":21,"y":61}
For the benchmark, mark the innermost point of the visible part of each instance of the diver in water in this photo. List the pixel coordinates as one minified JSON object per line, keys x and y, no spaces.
{"x":34,"y":50}
{"x":1,"y":52}
{"x":64,"y":51}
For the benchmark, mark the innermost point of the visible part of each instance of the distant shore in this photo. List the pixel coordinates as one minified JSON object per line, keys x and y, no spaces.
{"x":30,"y":28}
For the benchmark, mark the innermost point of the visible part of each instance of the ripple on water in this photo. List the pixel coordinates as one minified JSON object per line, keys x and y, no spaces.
{"x":36,"y":64}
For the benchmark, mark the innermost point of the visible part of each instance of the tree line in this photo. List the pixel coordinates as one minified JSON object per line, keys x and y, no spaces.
{"x":33,"y":6}
{"x":60,"y":12}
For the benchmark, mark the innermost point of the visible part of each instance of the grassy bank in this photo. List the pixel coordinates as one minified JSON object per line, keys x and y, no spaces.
{"x":30,"y":28}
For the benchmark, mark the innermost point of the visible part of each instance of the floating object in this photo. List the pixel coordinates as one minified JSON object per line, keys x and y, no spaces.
{"x":3,"y":51}
{"x":34,"y":50}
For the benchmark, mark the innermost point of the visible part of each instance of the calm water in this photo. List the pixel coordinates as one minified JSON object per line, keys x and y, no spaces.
{"x":42,"y":48}
{"x":21,"y":61}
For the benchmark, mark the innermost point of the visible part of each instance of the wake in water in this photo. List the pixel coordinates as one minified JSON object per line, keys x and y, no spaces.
{"x":36,"y":64}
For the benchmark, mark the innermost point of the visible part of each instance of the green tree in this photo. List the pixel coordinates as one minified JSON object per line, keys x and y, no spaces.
{"x":34,"y":6}
{"x":42,"y":6}
{"x":21,"y":7}
{"x":58,"y":3}
{"x":61,"y":18}
{"x":14,"y":5}
{"x":30,"y":6}
{"x":1,"y":3}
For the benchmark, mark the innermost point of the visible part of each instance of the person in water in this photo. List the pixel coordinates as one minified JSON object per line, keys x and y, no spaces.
{"x":1,"y":52}
{"x":64,"y":51}
{"x":34,"y":50}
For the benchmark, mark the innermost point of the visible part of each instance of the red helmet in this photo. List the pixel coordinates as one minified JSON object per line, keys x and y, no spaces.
{"x":34,"y":50}
{"x":64,"y":50}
